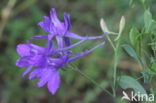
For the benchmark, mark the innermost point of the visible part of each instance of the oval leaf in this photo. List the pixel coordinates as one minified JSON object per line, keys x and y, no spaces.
{"x":131,"y":52}
{"x":126,"y":82}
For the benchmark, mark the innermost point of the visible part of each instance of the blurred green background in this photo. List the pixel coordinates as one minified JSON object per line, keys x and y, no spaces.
{"x":18,"y":22}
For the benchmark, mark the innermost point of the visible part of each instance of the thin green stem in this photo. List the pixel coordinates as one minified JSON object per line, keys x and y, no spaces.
{"x":115,"y":48}
{"x":115,"y":65}
{"x":110,"y":41}
{"x":87,"y":77}
{"x":140,"y":77}
{"x":115,"y":72}
{"x":113,"y":33}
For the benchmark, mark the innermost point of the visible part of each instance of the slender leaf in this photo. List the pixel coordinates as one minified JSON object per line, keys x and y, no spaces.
{"x":134,"y":36}
{"x":147,"y":20}
{"x":131,"y":52}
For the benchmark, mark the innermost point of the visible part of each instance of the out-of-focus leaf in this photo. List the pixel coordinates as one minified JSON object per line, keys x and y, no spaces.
{"x":143,"y":1}
{"x":134,"y":36}
{"x":147,"y":20}
{"x":153,"y":67}
{"x":131,"y":52}
{"x":130,"y":2}
{"x":126,"y":82}
{"x":90,"y":96}
{"x":153,"y":26}
{"x":154,"y":92}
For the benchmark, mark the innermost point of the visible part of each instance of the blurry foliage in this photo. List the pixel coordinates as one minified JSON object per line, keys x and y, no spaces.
{"x":85,"y":16}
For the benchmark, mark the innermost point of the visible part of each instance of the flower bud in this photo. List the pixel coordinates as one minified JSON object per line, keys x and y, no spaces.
{"x":104,"y":26}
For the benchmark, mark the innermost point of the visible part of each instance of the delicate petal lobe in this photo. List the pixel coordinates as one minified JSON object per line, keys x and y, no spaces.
{"x":54,"y":82}
{"x":23,"y":50}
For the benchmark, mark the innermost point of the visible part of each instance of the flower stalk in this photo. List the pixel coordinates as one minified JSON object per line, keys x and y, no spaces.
{"x":115,"y":46}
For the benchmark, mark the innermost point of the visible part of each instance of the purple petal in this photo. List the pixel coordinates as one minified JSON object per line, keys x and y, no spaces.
{"x":79,"y":55}
{"x":46,"y":24}
{"x":45,"y":76}
{"x":49,"y":36}
{"x":36,"y":49}
{"x":57,"y":62}
{"x":73,"y":35}
{"x":22,"y":62}
{"x":54,"y":82}
{"x":37,"y":60}
{"x":53,"y":16}
{"x":40,"y":37}
{"x":35,"y":73}
{"x":50,"y":43}
{"x":67,"y":41}
{"x":23,"y":49}
{"x":67,"y":21}
{"x":27,"y":71}
{"x":60,"y":42}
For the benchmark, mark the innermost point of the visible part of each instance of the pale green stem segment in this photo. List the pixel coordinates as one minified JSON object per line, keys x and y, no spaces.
{"x":115,"y":49}
{"x":116,"y":58}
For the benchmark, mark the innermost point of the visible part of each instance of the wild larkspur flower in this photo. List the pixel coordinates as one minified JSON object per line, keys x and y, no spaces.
{"x":61,"y":30}
{"x":44,"y":63}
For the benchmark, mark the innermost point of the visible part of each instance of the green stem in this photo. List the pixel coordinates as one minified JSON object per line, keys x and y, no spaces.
{"x":110,"y":41}
{"x":87,"y":77}
{"x":113,"y":33}
{"x":115,"y":48}
{"x":115,"y":72}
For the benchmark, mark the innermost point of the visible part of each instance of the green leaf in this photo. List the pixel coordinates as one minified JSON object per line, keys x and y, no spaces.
{"x":131,"y":52}
{"x":126,"y":82}
{"x":147,"y":20}
{"x":131,"y":3}
{"x":153,"y":67}
{"x":143,"y":1}
{"x":134,"y":36}
{"x":153,"y":26}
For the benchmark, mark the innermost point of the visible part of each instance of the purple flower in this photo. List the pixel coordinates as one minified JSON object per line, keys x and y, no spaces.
{"x":61,"y":30}
{"x":44,"y":63}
